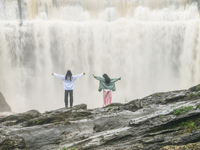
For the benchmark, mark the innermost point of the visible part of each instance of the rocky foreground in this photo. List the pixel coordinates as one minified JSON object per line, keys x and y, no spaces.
{"x":169,"y":120}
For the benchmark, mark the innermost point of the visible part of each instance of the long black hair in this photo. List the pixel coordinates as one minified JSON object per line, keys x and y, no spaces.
{"x":68,"y":74}
{"x":107,"y":79}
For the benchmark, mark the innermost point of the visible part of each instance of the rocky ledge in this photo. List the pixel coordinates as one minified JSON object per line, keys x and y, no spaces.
{"x":159,"y":121}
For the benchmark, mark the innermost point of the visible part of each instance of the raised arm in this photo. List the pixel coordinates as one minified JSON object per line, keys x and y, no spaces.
{"x":98,"y":78}
{"x":78,"y":76}
{"x":115,"y":79}
{"x":59,"y":76}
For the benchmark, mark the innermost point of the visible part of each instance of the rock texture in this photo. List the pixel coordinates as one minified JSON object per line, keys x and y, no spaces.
{"x":3,"y":104}
{"x":151,"y":123}
{"x":190,"y":146}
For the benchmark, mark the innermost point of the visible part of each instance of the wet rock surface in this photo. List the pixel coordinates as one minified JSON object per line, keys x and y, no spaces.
{"x":3,"y":104}
{"x":158,"y":121}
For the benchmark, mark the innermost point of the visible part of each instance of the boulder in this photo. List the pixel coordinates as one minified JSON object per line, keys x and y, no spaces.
{"x":3,"y":104}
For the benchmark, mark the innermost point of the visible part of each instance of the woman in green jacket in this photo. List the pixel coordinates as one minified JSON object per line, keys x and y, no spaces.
{"x":108,"y":85}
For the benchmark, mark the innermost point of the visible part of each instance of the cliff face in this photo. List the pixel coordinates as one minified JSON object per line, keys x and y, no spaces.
{"x":3,"y":104}
{"x":151,"y":123}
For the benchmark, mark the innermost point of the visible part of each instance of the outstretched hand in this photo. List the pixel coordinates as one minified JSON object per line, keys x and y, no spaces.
{"x":84,"y":73}
{"x":93,"y":75}
{"x":52,"y":73}
{"x":120,"y":78}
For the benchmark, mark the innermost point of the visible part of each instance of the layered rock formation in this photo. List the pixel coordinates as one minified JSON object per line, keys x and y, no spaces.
{"x":155,"y":122}
{"x":3,"y":104}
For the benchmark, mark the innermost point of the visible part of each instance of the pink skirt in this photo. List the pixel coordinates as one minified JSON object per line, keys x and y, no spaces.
{"x":107,"y":97}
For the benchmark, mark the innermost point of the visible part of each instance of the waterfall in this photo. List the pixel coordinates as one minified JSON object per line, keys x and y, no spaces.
{"x":154,"y":45}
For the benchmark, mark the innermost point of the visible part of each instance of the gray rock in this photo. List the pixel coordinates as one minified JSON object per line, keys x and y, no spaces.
{"x":3,"y":104}
{"x":149,"y":123}
{"x":80,"y":106}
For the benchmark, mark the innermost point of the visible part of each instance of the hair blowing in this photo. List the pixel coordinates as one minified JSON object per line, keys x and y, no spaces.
{"x":68,"y":74}
{"x":107,"y":79}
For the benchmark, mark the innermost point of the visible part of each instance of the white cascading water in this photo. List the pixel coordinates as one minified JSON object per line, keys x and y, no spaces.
{"x":154,"y":45}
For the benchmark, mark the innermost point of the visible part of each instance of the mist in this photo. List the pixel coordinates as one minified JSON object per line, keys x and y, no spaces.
{"x":154,"y":46}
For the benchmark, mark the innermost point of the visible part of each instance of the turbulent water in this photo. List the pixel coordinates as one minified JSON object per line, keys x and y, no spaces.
{"x":154,"y":45}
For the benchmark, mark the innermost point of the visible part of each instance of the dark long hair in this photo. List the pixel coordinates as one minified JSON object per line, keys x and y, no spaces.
{"x":68,"y":74}
{"x":107,"y":79}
